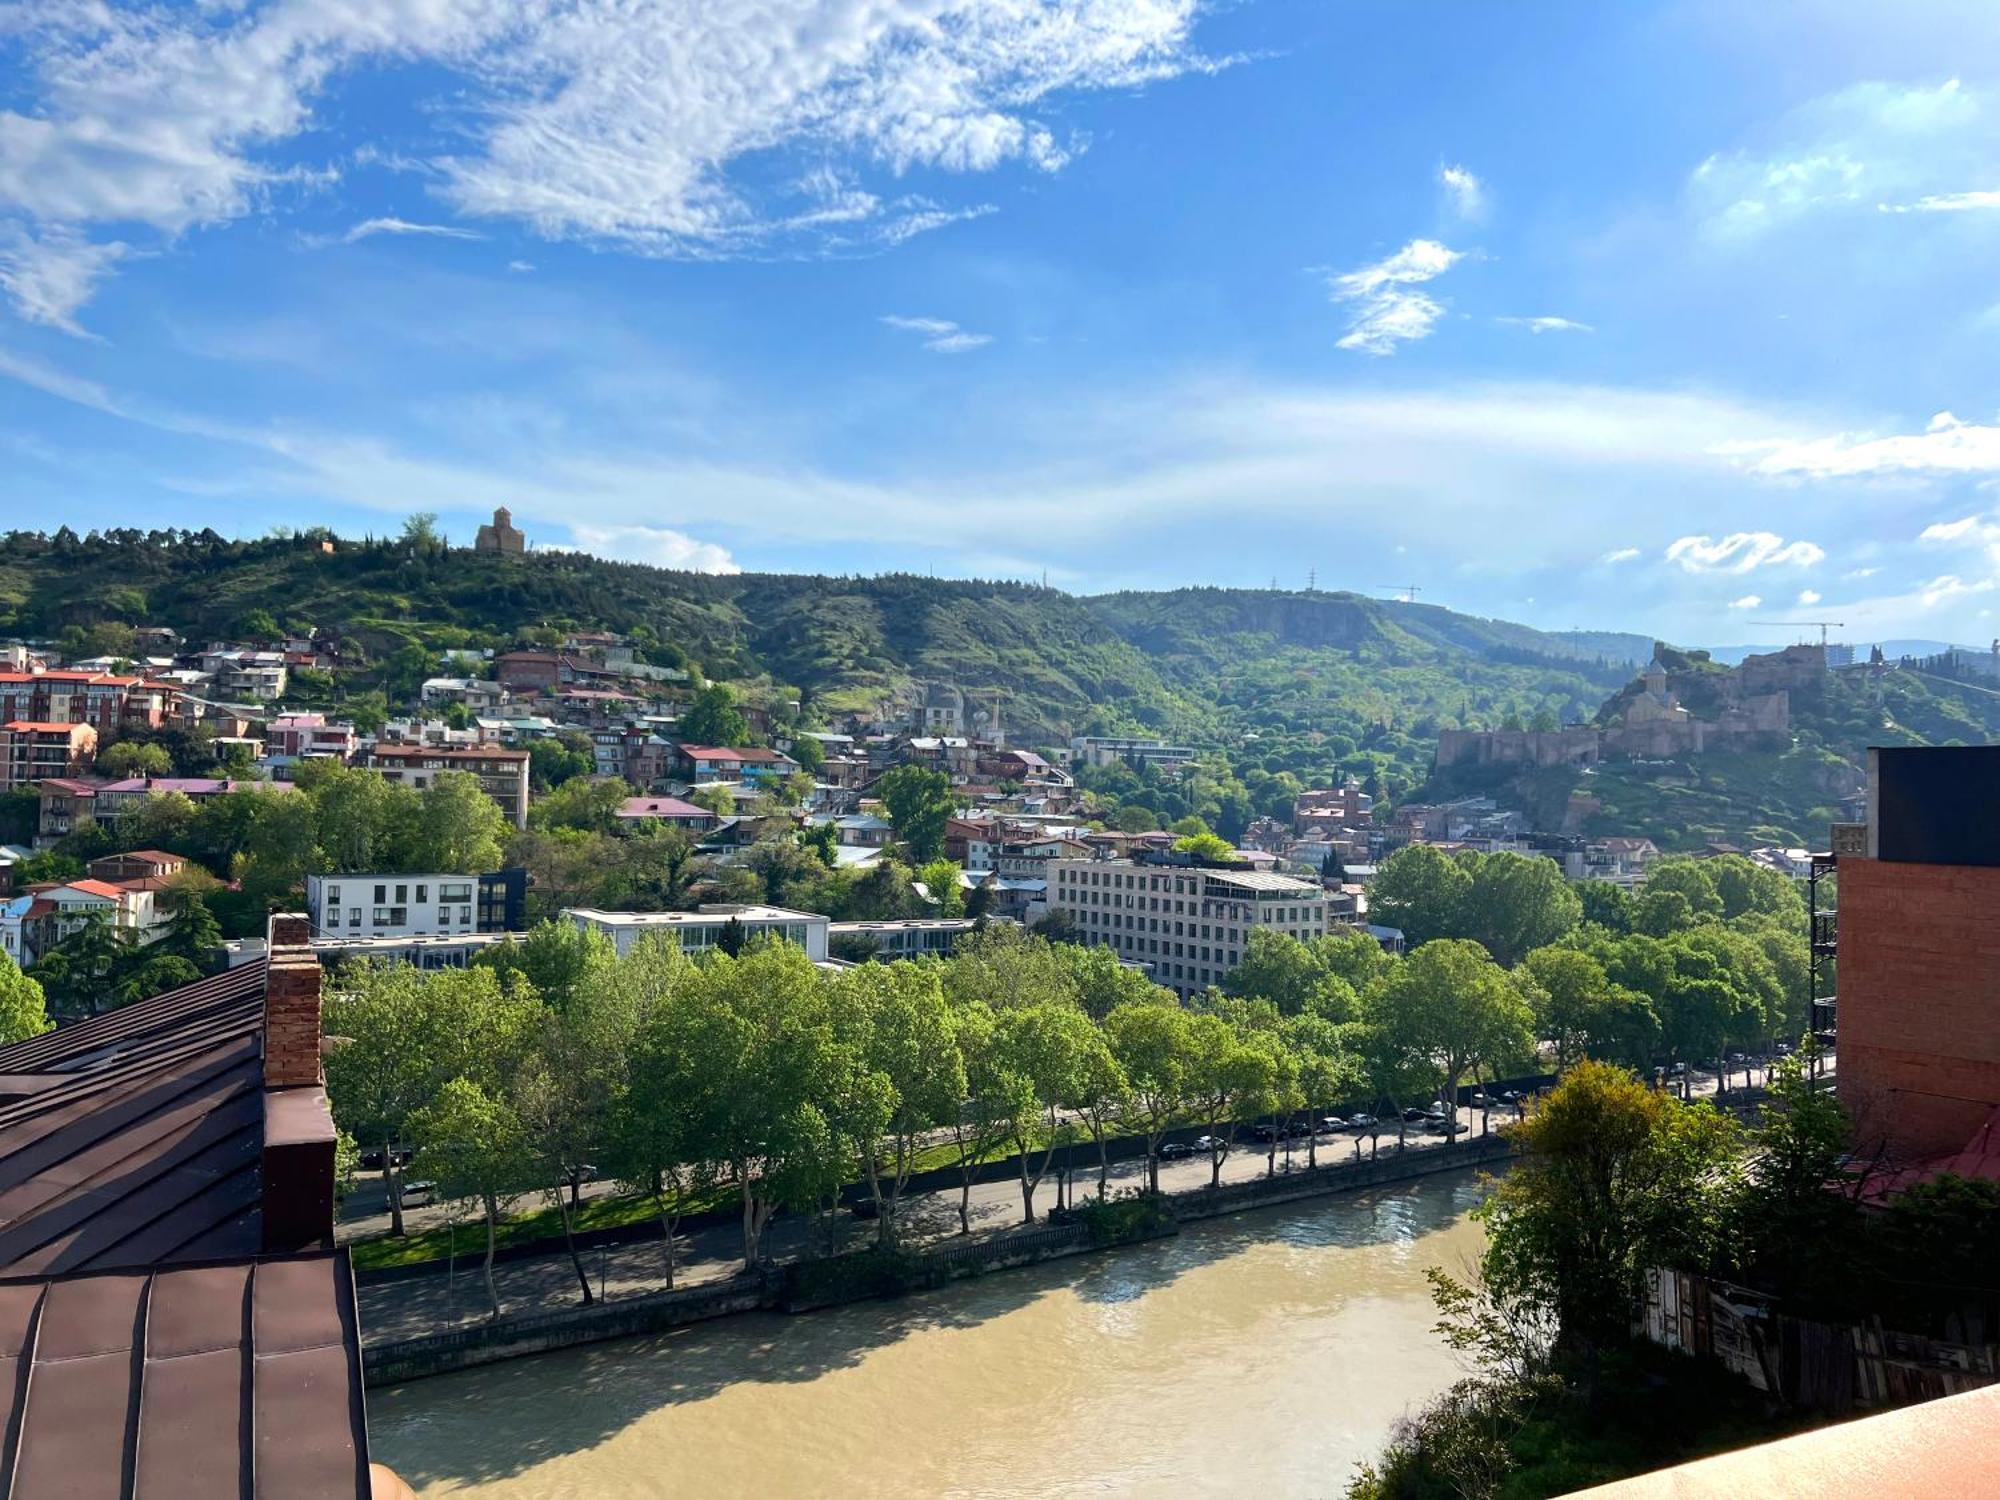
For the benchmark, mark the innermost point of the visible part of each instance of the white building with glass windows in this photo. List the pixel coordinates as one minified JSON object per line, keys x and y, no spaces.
{"x":705,"y":928}
{"x":1188,"y":923}
{"x":382,"y":906}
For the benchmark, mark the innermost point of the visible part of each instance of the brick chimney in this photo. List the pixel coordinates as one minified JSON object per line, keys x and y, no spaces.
{"x":291,"y":1005}
{"x":297,"y":1167}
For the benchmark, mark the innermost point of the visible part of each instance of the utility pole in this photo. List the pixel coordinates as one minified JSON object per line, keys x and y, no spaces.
{"x":1824,"y":626}
{"x":1409,"y":591}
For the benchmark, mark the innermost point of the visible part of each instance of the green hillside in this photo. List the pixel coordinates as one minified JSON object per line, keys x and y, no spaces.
{"x":1309,"y":683}
{"x":1783,"y":795}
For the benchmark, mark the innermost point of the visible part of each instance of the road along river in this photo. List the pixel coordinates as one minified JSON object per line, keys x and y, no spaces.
{"x":1263,"y":1355}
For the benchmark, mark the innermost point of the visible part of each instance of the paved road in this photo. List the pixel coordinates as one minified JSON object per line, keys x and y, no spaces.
{"x":441,"y":1300}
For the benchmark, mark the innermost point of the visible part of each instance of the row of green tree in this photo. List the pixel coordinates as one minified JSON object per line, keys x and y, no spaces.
{"x":761,"y":1073}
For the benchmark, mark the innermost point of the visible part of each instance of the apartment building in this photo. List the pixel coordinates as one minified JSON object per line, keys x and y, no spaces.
{"x":304,"y":736}
{"x":367,"y":907}
{"x":1187,"y":922}
{"x":503,"y":773}
{"x":107,"y":702}
{"x":33,"y":751}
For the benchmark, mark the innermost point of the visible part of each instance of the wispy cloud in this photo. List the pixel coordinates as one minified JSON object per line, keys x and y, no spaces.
{"x":1742,"y":552}
{"x":368,"y":228}
{"x":49,"y":275}
{"x":1945,"y":446}
{"x":520,"y":267}
{"x":1620,"y":555}
{"x":1388,"y":310}
{"x":1546,"y":325}
{"x":640,"y":126}
{"x":940,"y":335}
{"x":1467,"y":194}
{"x":1946,"y":203}
{"x":1748,"y":601}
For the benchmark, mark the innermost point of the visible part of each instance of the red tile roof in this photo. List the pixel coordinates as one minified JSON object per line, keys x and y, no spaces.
{"x":42,"y":726}
{"x":94,"y":888}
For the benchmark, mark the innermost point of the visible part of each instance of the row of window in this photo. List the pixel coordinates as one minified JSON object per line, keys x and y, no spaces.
{"x":398,"y":916}
{"x":448,"y":890}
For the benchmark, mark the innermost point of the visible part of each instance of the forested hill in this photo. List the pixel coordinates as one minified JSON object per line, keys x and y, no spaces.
{"x":1349,"y":671}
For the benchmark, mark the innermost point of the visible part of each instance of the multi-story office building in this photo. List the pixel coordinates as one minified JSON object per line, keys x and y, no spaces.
{"x":1188,"y":922}
{"x":1109,"y":750}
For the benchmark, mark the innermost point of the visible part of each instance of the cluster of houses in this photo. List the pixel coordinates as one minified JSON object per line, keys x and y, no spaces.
{"x":122,"y":889}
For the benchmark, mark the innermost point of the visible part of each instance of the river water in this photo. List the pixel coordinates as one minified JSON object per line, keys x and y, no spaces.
{"x":1263,"y":1355}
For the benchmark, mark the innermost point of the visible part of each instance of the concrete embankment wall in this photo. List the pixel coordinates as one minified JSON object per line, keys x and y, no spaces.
{"x":652,"y":1312}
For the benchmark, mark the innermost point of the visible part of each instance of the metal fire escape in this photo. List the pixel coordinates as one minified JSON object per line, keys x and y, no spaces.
{"x":1823,"y":937}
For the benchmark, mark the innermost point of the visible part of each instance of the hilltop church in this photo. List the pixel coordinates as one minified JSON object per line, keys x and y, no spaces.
{"x":501,"y":536}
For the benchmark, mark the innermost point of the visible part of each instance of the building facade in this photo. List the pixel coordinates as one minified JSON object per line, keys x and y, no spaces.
{"x":702,"y":930}
{"x":408,"y":906}
{"x":1188,"y":923}
{"x":32,"y":751}
{"x":1919,"y":954}
{"x":500,"y":535}
{"x":503,"y":773}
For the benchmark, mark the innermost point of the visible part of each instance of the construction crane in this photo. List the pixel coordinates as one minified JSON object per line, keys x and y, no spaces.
{"x":1824,"y":626}
{"x":1409,"y":591}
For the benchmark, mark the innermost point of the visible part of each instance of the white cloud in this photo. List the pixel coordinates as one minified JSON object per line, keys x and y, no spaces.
{"x":49,"y":275}
{"x":641,"y":124}
{"x":1467,"y":192}
{"x":369,"y":227}
{"x":1546,"y":325}
{"x":1873,"y":143}
{"x":1945,"y":446}
{"x":1808,"y":596}
{"x":940,"y":335}
{"x":1387,"y":312}
{"x":1859,"y":573}
{"x":1741,"y":552}
{"x":1621,"y":555}
{"x":520,"y":267}
{"x":1748,"y":601}
{"x":658,"y":545}
{"x":1945,"y":203}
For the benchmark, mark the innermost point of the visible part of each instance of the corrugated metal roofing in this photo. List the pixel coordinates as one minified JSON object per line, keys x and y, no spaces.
{"x":135,"y":1138}
{"x":212,"y":1380}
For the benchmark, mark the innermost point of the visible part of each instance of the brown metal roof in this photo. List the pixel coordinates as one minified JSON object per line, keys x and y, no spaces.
{"x":240,"y":1380}
{"x":134,"y":1138}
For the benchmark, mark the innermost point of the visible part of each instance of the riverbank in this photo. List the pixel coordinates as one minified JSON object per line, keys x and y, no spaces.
{"x":845,"y":1278}
{"x":1265,"y":1352}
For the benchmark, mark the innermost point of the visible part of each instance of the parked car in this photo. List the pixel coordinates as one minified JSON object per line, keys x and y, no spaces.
{"x":417,"y":1194}
{"x":1362,"y":1122}
{"x":1331,"y":1123}
{"x":1265,"y":1133}
{"x":1456,"y":1128}
{"x":1512,"y":1096}
{"x":1479,"y":1099}
{"x":371,"y":1160}
{"x":1176,"y":1151}
{"x":1414,"y":1115}
{"x":1208,"y":1145}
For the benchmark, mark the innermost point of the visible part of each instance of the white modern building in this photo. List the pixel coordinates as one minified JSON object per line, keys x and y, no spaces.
{"x":1109,"y":750}
{"x":701,"y":930}
{"x":910,"y":937}
{"x":1188,"y":923}
{"x":392,"y":906}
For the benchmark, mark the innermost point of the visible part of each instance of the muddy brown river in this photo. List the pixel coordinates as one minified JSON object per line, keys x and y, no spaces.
{"x":1263,"y":1355}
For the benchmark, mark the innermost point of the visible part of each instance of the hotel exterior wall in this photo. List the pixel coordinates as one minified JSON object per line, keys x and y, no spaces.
{"x":1919,"y":993}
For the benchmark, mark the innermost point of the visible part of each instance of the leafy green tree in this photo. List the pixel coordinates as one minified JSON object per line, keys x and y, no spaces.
{"x":940,"y":878}
{"x":714,"y":799}
{"x":362,"y":822}
{"x":1608,"y":905}
{"x":78,"y":973}
{"x":474,"y":1146}
{"x":906,"y":1035}
{"x":459,"y":829}
{"x":920,"y":803}
{"x":193,"y":934}
{"x":1692,"y":879}
{"x":1102,"y":982}
{"x":590,"y":803}
{"x":809,"y":753}
{"x":397,"y":1034}
{"x":553,"y":762}
{"x":1580,"y":1010}
{"x":23,"y":1009}
{"x":1517,"y":903}
{"x":280,"y":848}
{"x":1797,"y":1222}
{"x":822,"y":841}
{"x":1154,"y":1047}
{"x":1422,"y":891}
{"x":1662,"y":913}
{"x":713,"y":719}
{"x":20,"y":815}
{"x":164,"y":820}
{"x":1052,"y":1049}
{"x":1614,"y":1178}
{"x":1292,"y":975}
{"x":1228,"y":1074}
{"x":1007,"y":968}
{"x":1450,"y":1004}
{"x":651,"y":1142}
{"x":557,"y":960}
{"x":128,"y":758}
{"x":1205,"y":846}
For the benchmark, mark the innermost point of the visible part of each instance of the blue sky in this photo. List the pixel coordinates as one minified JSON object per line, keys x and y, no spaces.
{"x":1669,"y":317}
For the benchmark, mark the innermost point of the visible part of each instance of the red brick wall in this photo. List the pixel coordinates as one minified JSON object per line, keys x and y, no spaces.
{"x":1919,"y":992}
